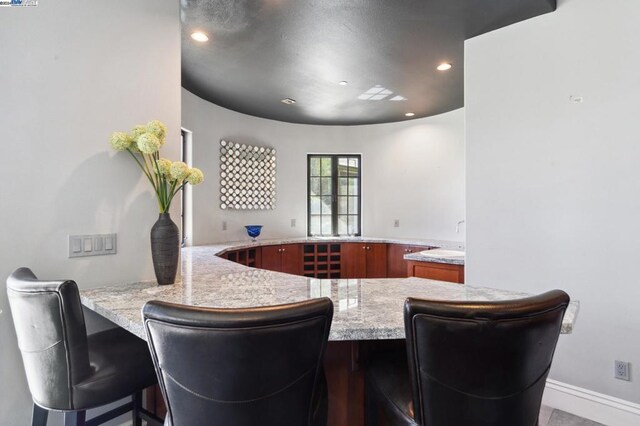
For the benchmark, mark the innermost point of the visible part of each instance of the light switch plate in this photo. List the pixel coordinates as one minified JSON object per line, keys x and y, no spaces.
{"x":92,"y":245}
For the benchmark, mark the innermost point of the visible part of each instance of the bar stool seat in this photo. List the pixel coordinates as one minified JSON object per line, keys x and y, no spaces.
{"x":388,"y":380}
{"x":121,"y":365}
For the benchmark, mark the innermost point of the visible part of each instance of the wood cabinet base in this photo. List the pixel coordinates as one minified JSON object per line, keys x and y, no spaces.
{"x":436,"y":271}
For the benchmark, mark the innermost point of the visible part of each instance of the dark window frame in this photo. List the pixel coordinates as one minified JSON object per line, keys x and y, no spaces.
{"x":334,"y":192}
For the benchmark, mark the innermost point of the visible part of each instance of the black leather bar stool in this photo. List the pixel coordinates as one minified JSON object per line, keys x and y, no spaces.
{"x":66,"y":369}
{"x":468,"y":363}
{"x":236,"y":367}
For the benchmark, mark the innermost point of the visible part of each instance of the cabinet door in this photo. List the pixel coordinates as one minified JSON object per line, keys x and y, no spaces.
{"x":291,"y":259}
{"x":396,"y":265}
{"x":353,"y":260}
{"x":437,"y":271}
{"x":271,"y":258}
{"x":376,"y":261}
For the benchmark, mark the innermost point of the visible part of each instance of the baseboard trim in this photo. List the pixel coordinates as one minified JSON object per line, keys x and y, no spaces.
{"x":592,"y":405}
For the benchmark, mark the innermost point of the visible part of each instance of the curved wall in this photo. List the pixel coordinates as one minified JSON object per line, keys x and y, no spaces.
{"x":412,"y":171}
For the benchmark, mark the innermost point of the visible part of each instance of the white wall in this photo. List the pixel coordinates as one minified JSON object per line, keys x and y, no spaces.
{"x":412,"y":171}
{"x":72,"y":72}
{"x":553,"y":187}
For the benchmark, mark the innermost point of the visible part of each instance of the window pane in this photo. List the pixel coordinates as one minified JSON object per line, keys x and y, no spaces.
{"x":315,"y":166}
{"x":352,"y":227}
{"x":343,"y":166}
{"x":326,"y":186}
{"x":353,"y":205}
{"x":342,"y":186}
{"x":353,"y":186}
{"x":314,"y":227}
{"x":326,"y":225}
{"x":326,"y":205}
{"x":326,"y":166}
{"x":314,"y":186}
{"x":342,"y":205}
{"x":315,"y":205}
{"x":342,"y":225}
{"x":353,"y":166}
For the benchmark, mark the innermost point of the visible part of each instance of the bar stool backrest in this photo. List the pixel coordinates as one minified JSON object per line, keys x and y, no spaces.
{"x":239,"y":366}
{"x":52,"y":336}
{"x":481,"y":363}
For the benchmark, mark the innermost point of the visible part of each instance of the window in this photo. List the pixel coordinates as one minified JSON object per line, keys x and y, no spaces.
{"x":334,"y":195}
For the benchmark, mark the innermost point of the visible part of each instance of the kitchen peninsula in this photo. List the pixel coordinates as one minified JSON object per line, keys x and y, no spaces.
{"x":366,"y":309}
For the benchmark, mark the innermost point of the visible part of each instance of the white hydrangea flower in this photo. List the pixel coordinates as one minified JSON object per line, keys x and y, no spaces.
{"x":179,"y":170}
{"x":138,"y":131}
{"x":164,"y":167}
{"x":148,"y":143}
{"x":120,"y":141}
{"x":195,"y":176}
{"x":157,"y":128}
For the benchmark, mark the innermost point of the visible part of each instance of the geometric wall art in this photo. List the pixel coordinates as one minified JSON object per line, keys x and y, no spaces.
{"x":247,"y":177}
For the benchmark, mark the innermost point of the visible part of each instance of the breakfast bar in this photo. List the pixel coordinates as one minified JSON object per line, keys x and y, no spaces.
{"x":365,"y":309}
{"x":368,"y":312}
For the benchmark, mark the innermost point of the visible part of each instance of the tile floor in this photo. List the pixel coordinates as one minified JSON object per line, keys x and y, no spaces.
{"x":554,"y":417}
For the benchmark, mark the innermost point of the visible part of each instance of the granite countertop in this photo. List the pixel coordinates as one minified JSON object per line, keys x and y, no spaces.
{"x":452,"y":257}
{"x":365,"y":309}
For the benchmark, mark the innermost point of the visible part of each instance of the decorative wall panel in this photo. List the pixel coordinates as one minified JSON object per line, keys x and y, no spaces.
{"x":247,"y":177}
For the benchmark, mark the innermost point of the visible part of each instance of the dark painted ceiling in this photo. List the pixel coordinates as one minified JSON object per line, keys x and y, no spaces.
{"x":262,"y":51}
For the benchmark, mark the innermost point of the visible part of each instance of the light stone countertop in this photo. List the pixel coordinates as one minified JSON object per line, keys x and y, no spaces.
{"x":365,"y":309}
{"x":452,"y":257}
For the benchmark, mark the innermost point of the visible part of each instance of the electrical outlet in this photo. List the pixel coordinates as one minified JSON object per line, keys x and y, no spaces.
{"x":293,"y":223}
{"x":623,"y":370}
{"x":224,"y":225}
{"x":396,"y":223}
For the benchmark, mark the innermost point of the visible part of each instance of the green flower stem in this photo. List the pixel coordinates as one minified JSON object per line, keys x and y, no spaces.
{"x":162,"y":187}
{"x":146,"y":164}
{"x":146,"y":173}
{"x":141,"y":166}
{"x":178,"y":189}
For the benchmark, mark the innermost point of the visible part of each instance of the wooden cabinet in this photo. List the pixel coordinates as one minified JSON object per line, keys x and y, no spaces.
{"x":345,"y":260}
{"x":363,"y":260}
{"x":436,"y":271}
{"x":396,"y":265}
{"x":247,"y":257}
{"x":282,"y":258}
{"x":321,"y":260}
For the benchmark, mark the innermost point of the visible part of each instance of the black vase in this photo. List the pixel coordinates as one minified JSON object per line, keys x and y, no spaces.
{"x":165,"y":248}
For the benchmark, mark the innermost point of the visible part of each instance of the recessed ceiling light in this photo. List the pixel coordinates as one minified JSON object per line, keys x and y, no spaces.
{"x":343,"y":83}
{"x":410,"y":114}
{"x":288,"y":101}
{"x":200,"y":36}
{"x":445,"y":66}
